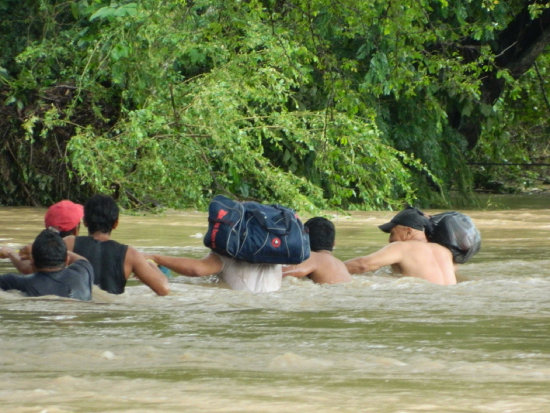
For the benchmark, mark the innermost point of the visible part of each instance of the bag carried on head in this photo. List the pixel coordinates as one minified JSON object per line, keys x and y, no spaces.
{"x":457,"y":232}
{"x":257,"y":233}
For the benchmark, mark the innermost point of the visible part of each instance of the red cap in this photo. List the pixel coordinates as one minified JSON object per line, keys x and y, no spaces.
{"x":65,"y":215}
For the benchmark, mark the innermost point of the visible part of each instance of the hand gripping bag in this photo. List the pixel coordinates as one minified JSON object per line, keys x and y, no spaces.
{"x":254,"y":232}
{"x":457,"y":232}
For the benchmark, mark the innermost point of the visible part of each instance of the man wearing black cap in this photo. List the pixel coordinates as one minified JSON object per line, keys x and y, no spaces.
{"x":409,"y":252}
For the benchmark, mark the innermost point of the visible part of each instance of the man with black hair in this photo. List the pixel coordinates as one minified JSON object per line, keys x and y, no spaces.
{"x":409,"y":252}
{"x":57,"y":271}
{"x":321,"y":267}
{"x":63,"y":216}
{"x":113,"y":262}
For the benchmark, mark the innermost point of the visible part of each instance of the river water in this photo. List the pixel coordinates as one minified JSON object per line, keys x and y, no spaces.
{"x":377,"y":344}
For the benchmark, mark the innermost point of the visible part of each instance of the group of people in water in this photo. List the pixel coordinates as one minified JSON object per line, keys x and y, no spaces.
{"x":64,"y":263}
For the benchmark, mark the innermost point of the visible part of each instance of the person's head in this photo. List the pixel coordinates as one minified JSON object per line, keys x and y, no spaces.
{"x":49,"y":250}
{"x":101,"y":214}
{"x":64,"y":216}
{"x":411,"y":223}
{"x":321,"y":234}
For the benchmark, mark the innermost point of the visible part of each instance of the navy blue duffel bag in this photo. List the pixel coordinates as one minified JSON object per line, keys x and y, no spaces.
{"x":253,"y":232}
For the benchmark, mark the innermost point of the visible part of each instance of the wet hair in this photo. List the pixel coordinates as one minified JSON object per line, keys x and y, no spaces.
{"x":321,"y":234}
{"x":100,"y":214}
{"x":49,"y":249}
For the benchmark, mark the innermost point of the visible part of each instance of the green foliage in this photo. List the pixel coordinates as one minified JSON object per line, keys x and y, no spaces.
{"x":513,"y":152}
{"x":310,"y":103}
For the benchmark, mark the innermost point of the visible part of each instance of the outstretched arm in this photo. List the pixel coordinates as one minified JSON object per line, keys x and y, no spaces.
{"x":390,"y":254}
{"x":148,"y":274}
{"x":300,"y":270}
{"x":21,"y":262}
{"x":192,"y":267}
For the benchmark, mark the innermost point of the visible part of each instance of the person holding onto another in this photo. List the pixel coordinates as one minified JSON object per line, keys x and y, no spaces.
{"x":56,"y":270}
{"x":409,"y":252}
{"x":113,"y":262}
{"x":321,"y":267}
{"x":237,"y":274}
{"x":63,"y":216}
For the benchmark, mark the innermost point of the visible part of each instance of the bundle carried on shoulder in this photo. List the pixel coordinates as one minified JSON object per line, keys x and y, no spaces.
{"x":254,"y":232}
{"x":457,"y":232}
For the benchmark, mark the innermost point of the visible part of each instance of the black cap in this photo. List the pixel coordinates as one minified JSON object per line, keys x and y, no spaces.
{"x":409,"y":217}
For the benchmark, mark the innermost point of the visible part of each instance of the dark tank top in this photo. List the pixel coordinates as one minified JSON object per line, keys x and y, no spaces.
{"x":107,"y":258}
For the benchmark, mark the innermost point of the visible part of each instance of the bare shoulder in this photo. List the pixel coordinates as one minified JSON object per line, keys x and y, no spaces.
{"x":322,"y":259}
{"x":132,"y":252}
{"x":440,"y":249}
{"x":134,"y":257}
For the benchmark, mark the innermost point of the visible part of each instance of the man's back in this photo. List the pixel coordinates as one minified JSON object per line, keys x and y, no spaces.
{"x":328,"y":268}
{"x":321,"y":267}
{"x":409,"y":251}
{"x":74,"y":281}
{"x":107,"y":259}
{"x":426,"y":260}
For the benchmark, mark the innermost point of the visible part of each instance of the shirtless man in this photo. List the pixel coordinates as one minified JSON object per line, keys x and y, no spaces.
{"x":321,"y":267}
{"x":409,"y":252}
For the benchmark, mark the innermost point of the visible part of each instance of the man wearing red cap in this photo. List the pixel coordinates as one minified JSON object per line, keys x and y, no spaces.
{"x":409,"y":252}
{"x":64,"y":216}
{"x":113,"y":263}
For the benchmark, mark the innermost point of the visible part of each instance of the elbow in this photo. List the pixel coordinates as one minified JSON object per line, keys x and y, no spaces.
{"x":194,"y":272}
{"x":161,"y":287}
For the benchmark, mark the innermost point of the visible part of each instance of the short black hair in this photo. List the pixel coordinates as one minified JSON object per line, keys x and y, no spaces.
{"x":49,"y":250}
{"x":100,"y":213}
{"x":321,"y":234}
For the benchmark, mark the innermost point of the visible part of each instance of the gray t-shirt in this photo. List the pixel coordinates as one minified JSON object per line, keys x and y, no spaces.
{"x":75,"y":281}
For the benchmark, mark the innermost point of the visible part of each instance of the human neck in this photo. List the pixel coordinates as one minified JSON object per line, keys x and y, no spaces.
{"x":100,"y":236}
{"x":418,"y":235}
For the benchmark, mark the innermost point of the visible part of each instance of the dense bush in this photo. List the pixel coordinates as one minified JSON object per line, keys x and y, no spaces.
{"x":314,"y":104}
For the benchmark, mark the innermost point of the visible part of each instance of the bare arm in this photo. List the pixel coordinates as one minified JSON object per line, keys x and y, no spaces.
{"x":73,"y":257}
{"x":148,"y":274}
{"x":390,"y":254}
{"x":303,"y":269}
{"x":22,"y":263}
{"x":192,"y":267}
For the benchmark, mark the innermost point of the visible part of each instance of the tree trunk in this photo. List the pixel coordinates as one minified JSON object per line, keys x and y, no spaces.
{"x":516,"y":50}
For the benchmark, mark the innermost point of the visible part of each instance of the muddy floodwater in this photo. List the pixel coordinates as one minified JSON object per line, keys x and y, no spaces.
{"x":378,"y":344}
